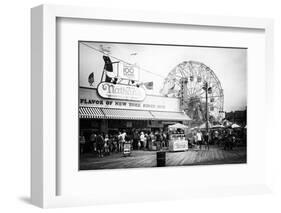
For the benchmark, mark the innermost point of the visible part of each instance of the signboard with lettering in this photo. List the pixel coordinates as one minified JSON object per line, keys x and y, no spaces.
{"x":129,"y":72}
{"x":90,"y":98}
{"x":121,"y":91}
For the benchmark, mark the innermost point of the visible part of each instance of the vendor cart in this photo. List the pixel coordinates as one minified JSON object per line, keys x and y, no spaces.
{"x":178,"y":142}
{"x":177,"y":138}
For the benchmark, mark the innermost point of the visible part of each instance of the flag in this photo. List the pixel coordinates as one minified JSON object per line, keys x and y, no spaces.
{"x":107,"y":64}
{"x":148,"y":85}
{"x":91,"y":79}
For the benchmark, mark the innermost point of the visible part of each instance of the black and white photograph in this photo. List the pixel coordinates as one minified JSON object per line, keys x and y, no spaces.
{"x":161,"y":105}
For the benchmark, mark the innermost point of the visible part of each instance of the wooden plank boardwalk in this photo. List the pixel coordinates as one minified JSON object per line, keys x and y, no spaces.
{"x":142,"y":159}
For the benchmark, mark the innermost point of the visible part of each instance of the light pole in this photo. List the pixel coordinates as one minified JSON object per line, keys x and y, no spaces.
{"x":207,"y":89}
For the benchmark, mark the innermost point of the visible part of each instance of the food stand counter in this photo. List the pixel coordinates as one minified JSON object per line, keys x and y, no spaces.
{"x":178,"y":142}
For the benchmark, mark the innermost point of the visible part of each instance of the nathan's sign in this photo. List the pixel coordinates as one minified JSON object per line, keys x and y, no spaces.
{"x":91,"y":98}
{"x":121,"y":91}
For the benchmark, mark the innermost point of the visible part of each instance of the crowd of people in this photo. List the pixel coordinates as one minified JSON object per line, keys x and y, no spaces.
{"x":226,"y":138}
{"x":105,"y":144}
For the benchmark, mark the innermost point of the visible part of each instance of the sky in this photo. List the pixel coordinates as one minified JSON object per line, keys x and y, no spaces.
{"x":156,"y":61}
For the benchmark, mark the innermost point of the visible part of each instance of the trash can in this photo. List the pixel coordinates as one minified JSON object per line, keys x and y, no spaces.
{"x":161,"y":159}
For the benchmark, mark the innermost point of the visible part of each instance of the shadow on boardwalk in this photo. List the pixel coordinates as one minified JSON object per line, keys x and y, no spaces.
{"x":144,"y":159}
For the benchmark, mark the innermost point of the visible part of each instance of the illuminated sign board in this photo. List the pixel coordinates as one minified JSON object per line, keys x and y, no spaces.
{"x":121,"y":91}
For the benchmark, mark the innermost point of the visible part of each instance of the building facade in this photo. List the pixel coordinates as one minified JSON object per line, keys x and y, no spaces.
{"x":110,"y":115}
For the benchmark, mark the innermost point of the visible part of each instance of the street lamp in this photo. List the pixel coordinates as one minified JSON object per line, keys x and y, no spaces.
{"x":207,"y":90}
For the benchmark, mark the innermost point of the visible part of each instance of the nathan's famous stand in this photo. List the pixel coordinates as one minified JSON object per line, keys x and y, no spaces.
{"x":177,"y":140}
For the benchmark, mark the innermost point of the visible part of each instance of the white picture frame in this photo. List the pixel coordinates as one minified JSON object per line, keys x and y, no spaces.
{"x":44,"y":103}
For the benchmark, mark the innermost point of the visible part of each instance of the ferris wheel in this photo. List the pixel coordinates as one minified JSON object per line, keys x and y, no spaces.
{"x":186,"y":81}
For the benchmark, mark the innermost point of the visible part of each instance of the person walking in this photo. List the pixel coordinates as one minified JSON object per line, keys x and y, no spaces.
{"x":93,"y":146}
{"x":115,"y":143}
{"x":194,"y":139}
{"x":153,"y":139}
{"x":119,"y":142}
{"x":148,"y":141}
{"x":145,"y":142}
{"x":110,"y":143}
{"x":216,"y":137}
{"x":158,"y":140}
{"x":199,"y":138}
{"x":100,"y":145}
{"x":123,"y":137}
{"x":206,"y":140}
{"x":162,"y":140}
{"x":165,"y":138}
{"x":82,"y":142}
{"x":135,"y":140}
{"x":142,"y":139}
{"x":106,"y":145}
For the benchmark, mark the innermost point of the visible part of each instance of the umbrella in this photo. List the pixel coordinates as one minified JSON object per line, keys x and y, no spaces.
{"x":235,"y":126}
{"x":178,"y":126}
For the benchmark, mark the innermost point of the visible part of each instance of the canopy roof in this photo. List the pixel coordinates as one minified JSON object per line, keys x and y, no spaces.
{"x":177,"y":126}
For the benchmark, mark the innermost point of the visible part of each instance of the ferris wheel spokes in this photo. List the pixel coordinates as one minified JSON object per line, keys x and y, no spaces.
{"x":193,"y":74}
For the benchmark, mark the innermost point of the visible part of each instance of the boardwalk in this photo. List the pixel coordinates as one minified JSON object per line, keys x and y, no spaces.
{"x":141,"y":159}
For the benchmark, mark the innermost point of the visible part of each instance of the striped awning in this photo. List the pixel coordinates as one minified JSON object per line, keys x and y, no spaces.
{"x":107,"y":113}
{"x":127,"y":114}
{"x":170,"y":116}
{"x":90,"y":112}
